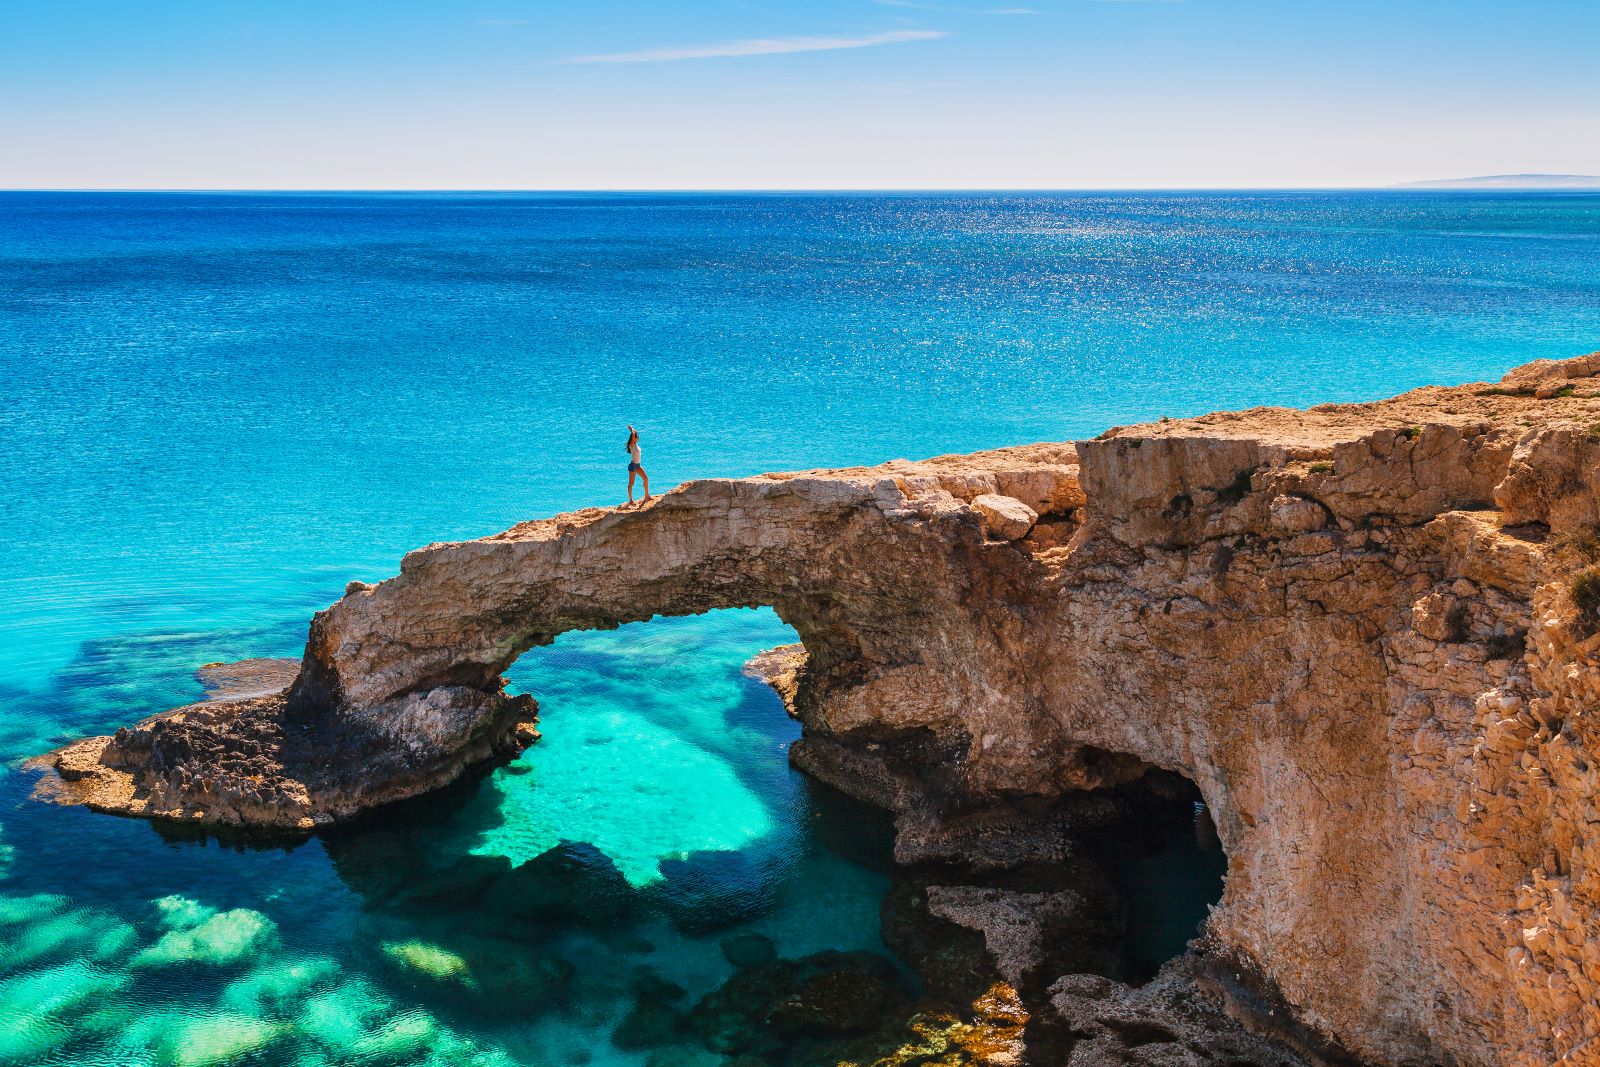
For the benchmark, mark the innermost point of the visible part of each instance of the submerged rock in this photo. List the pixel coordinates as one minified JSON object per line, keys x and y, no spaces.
{"x":45,"y":927}
{"x":382,"y":863}
{"x":748,"y":950}
{"x":466,"y":879}
{"x":397,"y":1040}
{"x":952,"y":962}
{"x":649,"y":1024}
{"x":42,"y":1010}
{"x":279,"y":987}
{"x":571,"y":883}
{"x":845,"y":999}
{"x":711,"y":890}
{"x":430,"y":961}
{"x":783,"y":1006}
{"x":29,"y":1037}
{"x":247,"y":679}
{"x":682,"y":1056}
{"x":206,"y":936}
{"x":218,"y":1039}
{"x":340,"y":1017}
{"x":647,"y":985}
{"x":488,"y":976}
{"x":514,"y":976}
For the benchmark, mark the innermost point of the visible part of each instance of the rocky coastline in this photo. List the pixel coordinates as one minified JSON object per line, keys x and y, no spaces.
{"x":1365,"y":634}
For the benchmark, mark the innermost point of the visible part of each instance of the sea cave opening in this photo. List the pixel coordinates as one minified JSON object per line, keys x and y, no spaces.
{"x":1112,"y":883}
{"x":1167,"y":861}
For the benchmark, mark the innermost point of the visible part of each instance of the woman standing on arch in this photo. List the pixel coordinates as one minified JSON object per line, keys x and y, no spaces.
{"x":636,"y":466}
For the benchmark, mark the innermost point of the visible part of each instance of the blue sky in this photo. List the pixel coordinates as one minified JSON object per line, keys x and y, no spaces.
{"x":616,"y":94}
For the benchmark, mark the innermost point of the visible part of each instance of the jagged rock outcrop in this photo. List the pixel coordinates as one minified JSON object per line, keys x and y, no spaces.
{"x":1366,"y":632}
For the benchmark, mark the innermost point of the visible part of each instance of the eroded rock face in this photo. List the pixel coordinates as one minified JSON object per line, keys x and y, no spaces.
{"x":1351,"y":627}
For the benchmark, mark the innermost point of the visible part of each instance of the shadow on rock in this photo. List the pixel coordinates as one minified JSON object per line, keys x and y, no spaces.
{"x":961,"y":932}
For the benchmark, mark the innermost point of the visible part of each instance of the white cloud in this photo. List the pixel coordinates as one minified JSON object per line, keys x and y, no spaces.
{"x":760,"y":46}
{"x":961,"y":10}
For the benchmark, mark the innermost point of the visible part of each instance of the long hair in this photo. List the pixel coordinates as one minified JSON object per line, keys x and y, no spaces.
{"x":629,"y":446}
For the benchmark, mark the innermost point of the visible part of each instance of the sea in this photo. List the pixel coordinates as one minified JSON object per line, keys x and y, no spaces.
{"x":216,"y":409}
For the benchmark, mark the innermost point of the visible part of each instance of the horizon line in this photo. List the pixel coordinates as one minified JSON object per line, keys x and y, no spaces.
{"x":1406,"y":186}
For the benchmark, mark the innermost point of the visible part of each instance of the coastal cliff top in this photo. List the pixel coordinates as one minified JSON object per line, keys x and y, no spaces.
{"x":1046,"y":454}
{"x":1045,"y":476}
{"x":1543,"y":392}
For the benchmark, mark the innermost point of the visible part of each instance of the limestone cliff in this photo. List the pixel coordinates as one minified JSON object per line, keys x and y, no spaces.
{"x":1366,"y":632}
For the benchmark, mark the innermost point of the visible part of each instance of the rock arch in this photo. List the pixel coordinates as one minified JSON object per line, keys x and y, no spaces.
{"x":879,"y":572}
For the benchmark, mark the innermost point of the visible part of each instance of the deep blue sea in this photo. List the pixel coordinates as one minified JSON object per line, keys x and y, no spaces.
{"x":217,"y":409}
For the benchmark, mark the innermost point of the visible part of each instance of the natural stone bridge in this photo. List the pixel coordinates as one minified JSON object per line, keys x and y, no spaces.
{"x":1355,"y":628}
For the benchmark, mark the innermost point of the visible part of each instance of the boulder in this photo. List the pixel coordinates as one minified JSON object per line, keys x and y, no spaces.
{"x":847,"y":999}
{"x":1004,"y":517}
{"x":571,"y":883}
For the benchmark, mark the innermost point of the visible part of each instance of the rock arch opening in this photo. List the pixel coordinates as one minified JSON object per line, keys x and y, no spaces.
{"x":654,"y":746}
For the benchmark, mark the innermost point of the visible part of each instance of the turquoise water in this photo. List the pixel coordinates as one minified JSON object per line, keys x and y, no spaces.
{"x":120,"y":945}
{"x":215,"y":410}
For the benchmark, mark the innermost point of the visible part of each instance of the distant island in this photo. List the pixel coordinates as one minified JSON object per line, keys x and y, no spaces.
{"x":1510,"y":181}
